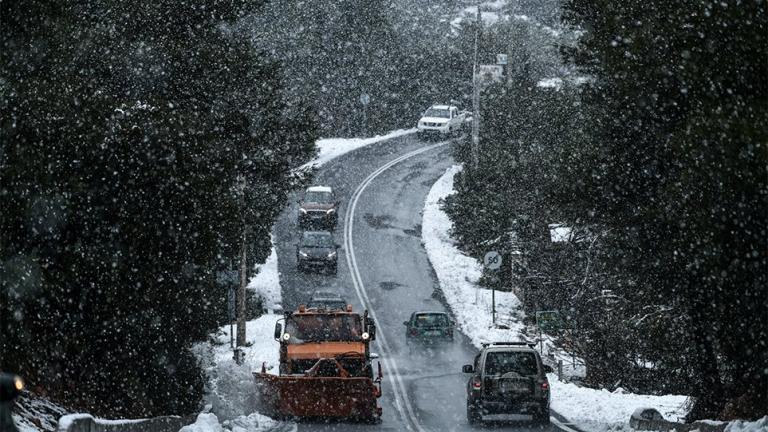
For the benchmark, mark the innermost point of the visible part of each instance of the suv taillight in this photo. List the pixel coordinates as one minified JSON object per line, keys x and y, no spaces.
{"x":477,"y":383}
{"x":544,"y":386}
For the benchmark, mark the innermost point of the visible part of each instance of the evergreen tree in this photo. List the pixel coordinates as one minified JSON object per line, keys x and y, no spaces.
{"x":681,"y":169}
{"x":128,"y":131}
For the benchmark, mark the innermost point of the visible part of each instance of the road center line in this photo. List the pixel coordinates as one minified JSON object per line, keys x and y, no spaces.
{"x":401,"y":396}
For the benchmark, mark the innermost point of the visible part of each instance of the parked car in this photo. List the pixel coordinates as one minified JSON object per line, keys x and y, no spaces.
{"x":508,"y":382}
{"x":319,"y":208}
{"x":317,"y":250}
{"x":428,"y":327}
{"x":441,"y":120}
{"x":327,"y":300}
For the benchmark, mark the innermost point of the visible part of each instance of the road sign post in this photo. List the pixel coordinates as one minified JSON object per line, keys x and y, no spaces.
{"x":229,"y":279}
{"x":492,"y":261}
{"x":548,"y":321}
{"x":231,"y":295}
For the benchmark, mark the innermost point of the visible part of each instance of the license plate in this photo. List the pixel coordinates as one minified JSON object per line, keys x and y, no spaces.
{"x":432,"y":333}
{"x":513,"y":387}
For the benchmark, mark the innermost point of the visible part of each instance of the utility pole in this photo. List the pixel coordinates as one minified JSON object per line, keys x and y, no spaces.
{"x":476,"y":102}
{"x":243,"y":268}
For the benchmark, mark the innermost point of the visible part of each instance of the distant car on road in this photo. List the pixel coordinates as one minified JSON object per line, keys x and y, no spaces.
{"x":508,"y":382}
{"x":428,"y":327}
{"x":319,"y":208}
{"x":441,"y":120}
{"x":327,"y":300}
{"x":317,"y":250}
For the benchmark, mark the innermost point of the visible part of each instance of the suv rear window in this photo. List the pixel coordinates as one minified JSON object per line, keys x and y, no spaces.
{"x":501,"y":362}
{"x":430,"y":320}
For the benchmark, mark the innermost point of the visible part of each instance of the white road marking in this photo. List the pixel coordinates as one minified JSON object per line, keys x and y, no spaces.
{"x":401,"y":396}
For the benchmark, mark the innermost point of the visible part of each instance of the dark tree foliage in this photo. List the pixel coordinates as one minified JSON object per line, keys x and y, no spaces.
{"x":682,"y":174}
{"x":658,"y":164}
{"x":126,"y":131}
{"x":334,"y":51}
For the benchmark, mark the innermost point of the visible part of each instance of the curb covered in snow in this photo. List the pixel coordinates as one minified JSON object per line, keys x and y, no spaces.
{"x":88,"y":423}
{"x":330,"y":148}
{"x":458,"y":276}
{"x":648,"y":419}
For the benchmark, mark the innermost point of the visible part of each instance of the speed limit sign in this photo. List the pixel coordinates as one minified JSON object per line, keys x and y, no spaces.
{"x":492,"y":260}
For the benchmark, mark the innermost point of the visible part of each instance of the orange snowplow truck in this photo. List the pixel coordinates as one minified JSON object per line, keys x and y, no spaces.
{"x":325,"y":367}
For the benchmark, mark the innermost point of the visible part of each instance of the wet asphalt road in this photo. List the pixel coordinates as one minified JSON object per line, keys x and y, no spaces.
{"x":423,"y":390}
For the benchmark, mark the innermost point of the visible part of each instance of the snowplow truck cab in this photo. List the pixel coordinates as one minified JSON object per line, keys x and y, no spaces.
{"x":325,"y":367}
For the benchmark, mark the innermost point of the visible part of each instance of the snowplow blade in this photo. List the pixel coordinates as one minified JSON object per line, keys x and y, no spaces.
{"x":304,"y":396}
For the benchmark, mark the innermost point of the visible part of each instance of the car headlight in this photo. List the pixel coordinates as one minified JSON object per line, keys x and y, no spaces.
{"x":302,"y":211}
{"x":331,"y":255}
{"x":330,"y":211}
{"x":286,"y":336}
{"x":18,"y":384}
{"x":304,"y":254}
{"x":365,"y":336}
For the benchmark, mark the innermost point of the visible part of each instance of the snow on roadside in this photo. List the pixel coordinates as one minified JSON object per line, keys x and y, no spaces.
{"x":601,"y":410}
{"x":330,"y":148}
{"x":760,"y":425}
{"x":208,"y":422}
{"x":458,"y":276}
{"x":230,"y":391}
{"x":33,"y":413}
{"x":266,"y":282}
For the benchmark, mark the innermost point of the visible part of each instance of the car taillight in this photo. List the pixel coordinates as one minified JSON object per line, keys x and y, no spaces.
{"x":477,"y":383}
{"x":414,"y":332}
{"x":544,"y":386}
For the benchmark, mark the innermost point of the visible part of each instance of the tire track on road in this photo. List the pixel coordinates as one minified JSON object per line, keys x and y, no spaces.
{"x":402,"y":402}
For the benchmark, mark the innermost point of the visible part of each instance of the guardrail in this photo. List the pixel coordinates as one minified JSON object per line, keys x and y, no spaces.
{"x":87,"y":423}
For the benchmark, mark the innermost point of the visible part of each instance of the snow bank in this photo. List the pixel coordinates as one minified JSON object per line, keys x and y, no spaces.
{"x":33,"y":413}
{"x":598,"y":410}
{"x":760,"y":425}
{"x":231,"y":391}
{"x":334,"y":147}
{"x":458,"y":275}
{"x":207,"y":422}
{"x":266,"y":283}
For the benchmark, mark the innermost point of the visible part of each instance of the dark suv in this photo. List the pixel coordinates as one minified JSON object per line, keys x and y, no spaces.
{"x":316,"y":250}
{"x":428,"y":327}
{"x":508,"y":382}
{"x":319,"y":208}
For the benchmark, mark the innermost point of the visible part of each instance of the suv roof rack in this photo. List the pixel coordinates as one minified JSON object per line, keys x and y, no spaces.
{"x":520,"y":343}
